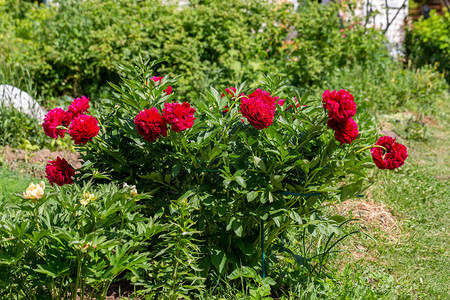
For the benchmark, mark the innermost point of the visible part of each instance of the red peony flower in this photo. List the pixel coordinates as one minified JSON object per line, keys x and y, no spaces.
{"x":340,"y":104}
{"x":83,"y":129}
{"x":297,"y":105}
{"x":150,"y":124}
{"x":345,"y":131}
{"x":229,"y":91}
{"x":54,"y":118}
{"x":158,"y":79}
{"x":59,"y":171}
{"x":393,"y":157}
{"x":78,"y":107}
{"x":180,"y":116}
{"x":259,"y":108}
{"x":281,"y":101}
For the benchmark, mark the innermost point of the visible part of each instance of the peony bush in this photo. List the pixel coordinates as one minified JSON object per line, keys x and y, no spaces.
{"x":235,"y":170}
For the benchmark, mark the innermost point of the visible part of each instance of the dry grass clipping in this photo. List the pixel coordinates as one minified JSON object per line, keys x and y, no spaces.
{"x":372,"y":216}
{"x":375,"y":219}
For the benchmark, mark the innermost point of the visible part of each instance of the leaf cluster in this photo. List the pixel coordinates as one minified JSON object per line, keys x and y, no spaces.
{"x":58,"y":246}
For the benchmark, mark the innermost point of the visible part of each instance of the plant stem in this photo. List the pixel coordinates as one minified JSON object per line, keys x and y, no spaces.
{"x":36,"y":220}
{"x":175,"y":269}
{"x":79,"y":257}
{"x":370,"y":147}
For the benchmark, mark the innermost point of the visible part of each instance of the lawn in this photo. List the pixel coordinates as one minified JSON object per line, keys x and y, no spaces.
{"x":408,"y":212}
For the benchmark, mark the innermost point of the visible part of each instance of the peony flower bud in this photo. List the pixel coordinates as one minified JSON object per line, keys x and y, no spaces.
{"x":34,"y":191}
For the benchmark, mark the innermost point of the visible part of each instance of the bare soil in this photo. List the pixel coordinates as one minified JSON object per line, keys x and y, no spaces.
{"x":33,"y":162}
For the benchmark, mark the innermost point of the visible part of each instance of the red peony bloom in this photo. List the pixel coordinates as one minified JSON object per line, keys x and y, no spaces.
{"x":229,"y":91}
{"x":158,"y":79}
{"x":83,"y":129}
{"x":297,"y":105}
{"x":78,"y":107}
{"x":340,"y":104}
{"x":180,"y":116}
{"x":54,"y":118}
{"x":393,"y":157}
{"x":345,"y":131}
{"x":281,"y":101}
{"x":59,"y":171}
{"x":259,"y":108}
{"x":150,"y":124}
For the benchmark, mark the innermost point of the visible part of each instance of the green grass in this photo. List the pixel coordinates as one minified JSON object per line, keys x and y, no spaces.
{"x":419,"y":195}
{"x":416,"y":256}
{"x":12,"y":183}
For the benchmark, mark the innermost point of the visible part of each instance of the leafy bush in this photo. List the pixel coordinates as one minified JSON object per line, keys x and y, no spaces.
{"x":224,"y":191}
{"x":17,"y":129}
{"x":429,"y":43}
{"x":74,"y":48}
{"x":232,"y":176}
{"x":390,"y":87}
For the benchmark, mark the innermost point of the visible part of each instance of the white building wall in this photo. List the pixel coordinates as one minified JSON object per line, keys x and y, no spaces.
{"x":395,"y":14}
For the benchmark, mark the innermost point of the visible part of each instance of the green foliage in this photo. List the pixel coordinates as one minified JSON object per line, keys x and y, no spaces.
{"x":389,"y":87}
{"x":175,"y":272}
{"x":230,"y":174}
{"x":18,"y":130}
{"x":429,"y":43}
{"x":74,"y":48}
{"x":58,"y":244}
{"x":351,"y":284}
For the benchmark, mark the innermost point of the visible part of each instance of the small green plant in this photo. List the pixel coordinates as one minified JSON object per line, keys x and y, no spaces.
{"x":175,"y":272}
{"x":74,"y":237}
{"x":18,"y":130}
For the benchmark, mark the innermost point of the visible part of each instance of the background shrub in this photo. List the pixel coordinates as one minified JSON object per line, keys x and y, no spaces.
{"x":386,"y":87}
{"x":75,"y":47}
{"x":429,"y":43}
